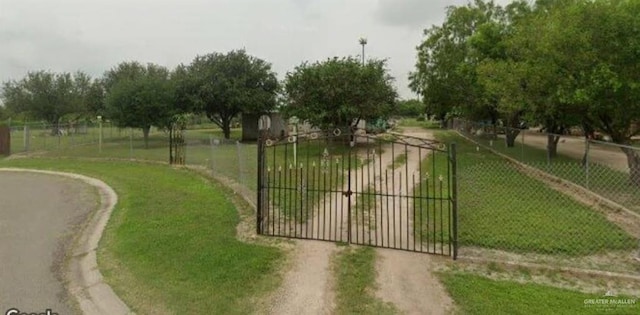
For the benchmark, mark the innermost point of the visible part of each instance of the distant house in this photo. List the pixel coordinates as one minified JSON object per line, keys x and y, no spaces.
{"x":279,"y":128}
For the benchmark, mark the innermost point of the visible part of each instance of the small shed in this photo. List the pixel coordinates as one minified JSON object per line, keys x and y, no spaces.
{"x":279,"y":127}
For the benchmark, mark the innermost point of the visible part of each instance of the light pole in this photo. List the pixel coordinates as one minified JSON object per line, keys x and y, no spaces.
{"x":100,"y":134}
{"x":363,"y":42}
{"x":294,"y":121}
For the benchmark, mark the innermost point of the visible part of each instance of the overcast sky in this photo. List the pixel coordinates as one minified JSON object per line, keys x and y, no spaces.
{"x":95,"y":35}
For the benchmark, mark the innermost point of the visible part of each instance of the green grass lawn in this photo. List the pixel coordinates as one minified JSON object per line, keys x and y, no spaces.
{"x":501,"y":208}
{"x":171,"y":240}
{"x":474,"y":294}
{"x":608,"y":182}
{"x":413,"y":122}
{"x":355,"y":274}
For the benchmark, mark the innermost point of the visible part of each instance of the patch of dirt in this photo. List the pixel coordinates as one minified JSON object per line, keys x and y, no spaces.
{"x":528,"y":274}
{"x":307,"y":286}
{"x":404,"y":278}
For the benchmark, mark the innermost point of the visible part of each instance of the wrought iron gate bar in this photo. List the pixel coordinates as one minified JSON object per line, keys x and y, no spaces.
{"x":374,"y":190}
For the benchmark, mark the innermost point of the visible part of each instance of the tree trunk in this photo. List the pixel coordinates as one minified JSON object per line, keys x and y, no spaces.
{"x":55,"y":130}
{"x":145,"y":133}
{"x":171,"y":159}
{"x":633,"y":160}
{"x":586,"y":152}
{"x":226,"y":129}
{"x":552,"y":145}
{"x":511,"y":135}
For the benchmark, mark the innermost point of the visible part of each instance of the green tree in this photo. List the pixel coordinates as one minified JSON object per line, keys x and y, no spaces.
{"x":225,"y":85}
{"x":446,"y":70}
{"x":575,"y":62}
{"x":95,"y":98}
{"x":140,"y":97}
{"x":410,"y":108}
{"x":47,"y":96}
{"x":339,"y":92}
{"x":608,"y":81}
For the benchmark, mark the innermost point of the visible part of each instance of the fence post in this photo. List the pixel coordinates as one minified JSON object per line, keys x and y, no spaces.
{"x":131,"y":143}
{"x":454,"y":198}
{"x":586,"y":162}
{"x":26,"y":137}
{"x":260,"y":182}
{"x":211,"y":161}
{"x":522,"y":147}
{"x":240,"y":163}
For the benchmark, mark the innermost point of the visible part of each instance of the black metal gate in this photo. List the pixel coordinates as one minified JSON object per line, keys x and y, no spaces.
{"x":391,"y":190}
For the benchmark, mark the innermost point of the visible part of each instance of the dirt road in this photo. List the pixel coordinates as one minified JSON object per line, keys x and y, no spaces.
{"x":404,"y":278}
{"x":38,"y":216}
{"x":574,"y":147}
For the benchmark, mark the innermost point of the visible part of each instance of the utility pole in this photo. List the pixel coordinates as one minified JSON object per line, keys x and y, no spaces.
{"x":363,"y":42}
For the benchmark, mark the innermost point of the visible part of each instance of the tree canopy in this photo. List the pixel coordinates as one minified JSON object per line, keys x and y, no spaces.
{"x":339,"y":92}
{"x":48,"y":96}
{"x":225,"y":85}
{"x":140,"y":96}
{"x":554,"y":63}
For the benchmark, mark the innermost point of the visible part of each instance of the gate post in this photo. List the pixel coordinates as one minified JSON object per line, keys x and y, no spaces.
{"x":454,"y":198}
{"x":259,"y":204}
{"x":5,"y":140}
{"x":264,"y":123}
{"x":349,"y":191}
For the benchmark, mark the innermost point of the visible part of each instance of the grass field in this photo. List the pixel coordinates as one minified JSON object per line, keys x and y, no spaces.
{"x":170,"y":246}
{"x":354,"y":269}
{"x":608,"y":182}
{"x":501,"y":208}
{"x":413,"y":122}
{"x":475,"y":294}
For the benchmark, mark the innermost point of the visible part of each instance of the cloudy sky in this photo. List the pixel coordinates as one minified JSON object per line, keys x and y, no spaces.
{"x":95,"y":35}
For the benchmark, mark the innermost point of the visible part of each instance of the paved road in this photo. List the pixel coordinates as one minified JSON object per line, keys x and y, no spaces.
{"x":38,"y":217}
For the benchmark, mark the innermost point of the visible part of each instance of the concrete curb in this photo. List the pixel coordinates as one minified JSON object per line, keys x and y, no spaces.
{"x":85,"y":282}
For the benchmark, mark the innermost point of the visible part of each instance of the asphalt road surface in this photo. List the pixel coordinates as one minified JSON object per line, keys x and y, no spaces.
{"x":39,"y":215}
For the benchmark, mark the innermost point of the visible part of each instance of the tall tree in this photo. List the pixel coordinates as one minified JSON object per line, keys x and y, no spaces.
{"x":225,"y":85}
{"x":610,"y":82}
{"x":446,"y":70}
{"x":339,"y":92}
{"x":47,"y":96}
{"x":410,"y":108}
{"x":140,"y":97}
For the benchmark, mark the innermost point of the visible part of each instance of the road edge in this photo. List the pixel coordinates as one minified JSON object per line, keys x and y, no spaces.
{"x":85,"y":282}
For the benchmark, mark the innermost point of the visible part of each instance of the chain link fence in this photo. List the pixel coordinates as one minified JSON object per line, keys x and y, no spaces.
{"x":204,"y":146}
{"x":577,"y":208}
